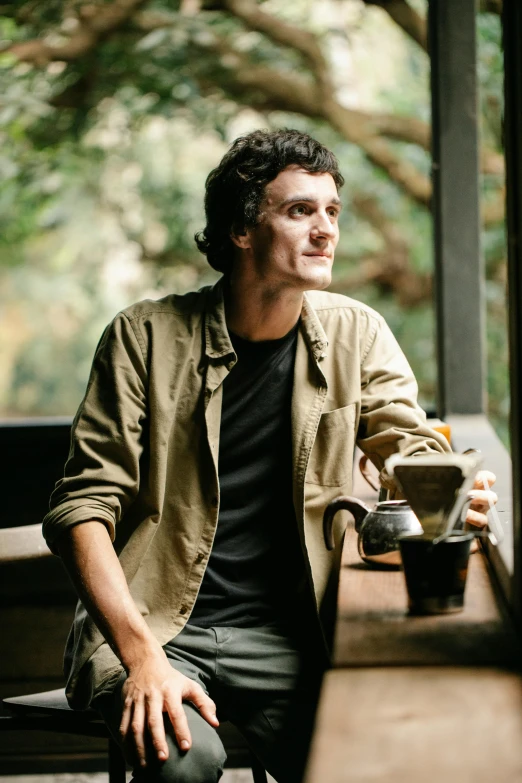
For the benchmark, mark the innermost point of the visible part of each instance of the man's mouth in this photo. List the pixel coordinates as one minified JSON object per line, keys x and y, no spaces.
{"x":319,"y":254}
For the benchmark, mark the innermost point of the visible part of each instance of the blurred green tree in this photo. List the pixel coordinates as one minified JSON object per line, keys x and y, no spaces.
{"x":112,"y":112}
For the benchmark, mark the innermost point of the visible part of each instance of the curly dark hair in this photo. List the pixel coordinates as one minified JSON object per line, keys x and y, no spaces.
{"x":235,"y":188}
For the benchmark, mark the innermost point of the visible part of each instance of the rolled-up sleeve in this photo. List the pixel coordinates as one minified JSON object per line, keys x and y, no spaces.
{"x":102,"y":473}
{"x":391,"y":420}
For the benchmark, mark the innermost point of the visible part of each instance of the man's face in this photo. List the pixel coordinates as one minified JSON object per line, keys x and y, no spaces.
{"x":293,"y":243}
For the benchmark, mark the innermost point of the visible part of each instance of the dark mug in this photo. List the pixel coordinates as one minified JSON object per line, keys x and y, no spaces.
{"x":436,"y":573}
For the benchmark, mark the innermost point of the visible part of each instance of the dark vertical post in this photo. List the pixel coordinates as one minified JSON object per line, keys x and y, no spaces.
{"x":512,"y":31}
{"x":459,"y":281}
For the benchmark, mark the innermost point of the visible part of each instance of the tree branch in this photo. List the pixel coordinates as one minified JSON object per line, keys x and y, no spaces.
{"x":259,"y":86}
{"x":393,"y":126}
{"x":410,"y":289}
{"x":391,"y":269}
{"x":413,"y":24}
{"x":401,"y":128}
{"x":291,"y":93}
{"x":380,"y":153}
{"x":94,"y":24}
{"x":414,"y":131}
{"x":265,"y":89}
{"x":369,"y":208}
{"x":406,"y":17}
{"x":149,"y":20}
{"x":283,"y":34}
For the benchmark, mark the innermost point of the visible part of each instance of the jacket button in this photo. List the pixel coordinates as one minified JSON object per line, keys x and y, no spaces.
{"x":183,"y":610}
{"x":199,"y":557}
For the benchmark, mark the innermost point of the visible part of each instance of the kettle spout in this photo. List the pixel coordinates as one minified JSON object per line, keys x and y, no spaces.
{"x":356,"y":507}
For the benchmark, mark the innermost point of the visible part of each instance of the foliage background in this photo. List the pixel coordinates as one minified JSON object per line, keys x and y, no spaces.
{"x":112,"y":114}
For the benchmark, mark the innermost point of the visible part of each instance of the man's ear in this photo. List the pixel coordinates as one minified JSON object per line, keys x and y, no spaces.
{"x":240,"y":239}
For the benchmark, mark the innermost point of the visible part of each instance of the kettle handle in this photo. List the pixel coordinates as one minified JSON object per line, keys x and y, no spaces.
{"x":356,"y":507}
{"x":363,"y":463}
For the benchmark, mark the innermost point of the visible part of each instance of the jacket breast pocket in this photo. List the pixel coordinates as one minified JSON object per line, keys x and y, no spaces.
{"x":332,"y":455}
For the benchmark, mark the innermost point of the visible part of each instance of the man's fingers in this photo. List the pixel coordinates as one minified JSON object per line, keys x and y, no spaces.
{"x":156,"y":727}
{"x":482,"y":499}
{"x":137,"y":729}
{"x":125,"y":718}
{"x":476,"y":519}
{"x":202,"y":702}
{"x":179,"y":722}
{"x":484,"y":474}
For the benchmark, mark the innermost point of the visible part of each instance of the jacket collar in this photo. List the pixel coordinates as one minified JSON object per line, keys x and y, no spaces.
{"x":313,"y":331}
{"x":217,"y":339}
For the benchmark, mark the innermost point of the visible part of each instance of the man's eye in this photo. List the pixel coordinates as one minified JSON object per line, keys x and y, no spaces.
{"x":299,"y":209}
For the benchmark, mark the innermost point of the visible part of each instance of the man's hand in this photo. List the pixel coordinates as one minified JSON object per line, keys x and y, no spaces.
{"x":152,"y":688}
{"x":482,"y":498}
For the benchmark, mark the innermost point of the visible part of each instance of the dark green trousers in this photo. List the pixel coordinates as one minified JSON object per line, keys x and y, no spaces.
{"x":262,"y":680}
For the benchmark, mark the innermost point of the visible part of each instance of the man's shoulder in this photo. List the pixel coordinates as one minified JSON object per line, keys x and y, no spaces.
{"x":323,"y":301}
{"x":175,"y":305}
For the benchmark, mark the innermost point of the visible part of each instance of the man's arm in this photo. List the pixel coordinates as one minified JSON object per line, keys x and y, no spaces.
{"x":152,"y":686}
{"x":103,"y":472}
{"x":392,"y":421}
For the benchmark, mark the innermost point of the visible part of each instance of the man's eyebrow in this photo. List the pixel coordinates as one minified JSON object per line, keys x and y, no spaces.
{"x":309,"y":199}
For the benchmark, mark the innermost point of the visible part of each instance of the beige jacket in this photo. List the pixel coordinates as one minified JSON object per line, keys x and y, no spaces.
{"x":145,"y":443}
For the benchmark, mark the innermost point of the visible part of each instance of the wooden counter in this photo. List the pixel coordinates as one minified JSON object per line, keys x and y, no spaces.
{"x":418,"y":725}
{"x":374,"y":629}
{"x":418,"y":699}
{"x":373,"y":626}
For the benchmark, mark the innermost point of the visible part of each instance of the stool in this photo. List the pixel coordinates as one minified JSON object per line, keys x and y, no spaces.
{"x":49,"y":711}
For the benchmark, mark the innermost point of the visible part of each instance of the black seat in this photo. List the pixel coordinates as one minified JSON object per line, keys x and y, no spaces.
{"x":49,"y":711}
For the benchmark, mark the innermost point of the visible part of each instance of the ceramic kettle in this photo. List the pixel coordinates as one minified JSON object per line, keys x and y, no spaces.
{"x":378,"y":529}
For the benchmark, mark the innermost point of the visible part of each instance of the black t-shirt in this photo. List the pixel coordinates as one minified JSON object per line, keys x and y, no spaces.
{"x":256,"y":565}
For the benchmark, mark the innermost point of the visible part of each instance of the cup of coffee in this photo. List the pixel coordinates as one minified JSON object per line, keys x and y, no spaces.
{"x":436,"y":573}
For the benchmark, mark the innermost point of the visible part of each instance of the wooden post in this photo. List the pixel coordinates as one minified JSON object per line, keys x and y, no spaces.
{"x":459,"y":278}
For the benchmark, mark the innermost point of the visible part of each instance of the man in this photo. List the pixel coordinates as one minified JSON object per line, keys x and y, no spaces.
{"x":215,"y":429}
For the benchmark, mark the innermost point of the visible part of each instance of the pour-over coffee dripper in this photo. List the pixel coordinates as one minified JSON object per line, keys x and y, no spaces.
{"x":436,"y":487}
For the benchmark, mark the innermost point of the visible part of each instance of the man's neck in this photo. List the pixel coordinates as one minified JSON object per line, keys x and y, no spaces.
{"x":257,"y":313}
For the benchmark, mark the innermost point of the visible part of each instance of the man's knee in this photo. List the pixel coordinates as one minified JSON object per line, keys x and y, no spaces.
{"x":200,"y":764}
{"x":203,"y":763}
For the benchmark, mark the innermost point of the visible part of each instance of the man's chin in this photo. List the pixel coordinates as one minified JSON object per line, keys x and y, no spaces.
{"x":319,"y":281}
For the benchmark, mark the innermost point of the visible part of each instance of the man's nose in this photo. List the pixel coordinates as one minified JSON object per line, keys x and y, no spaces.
{"x":323,"y":226}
